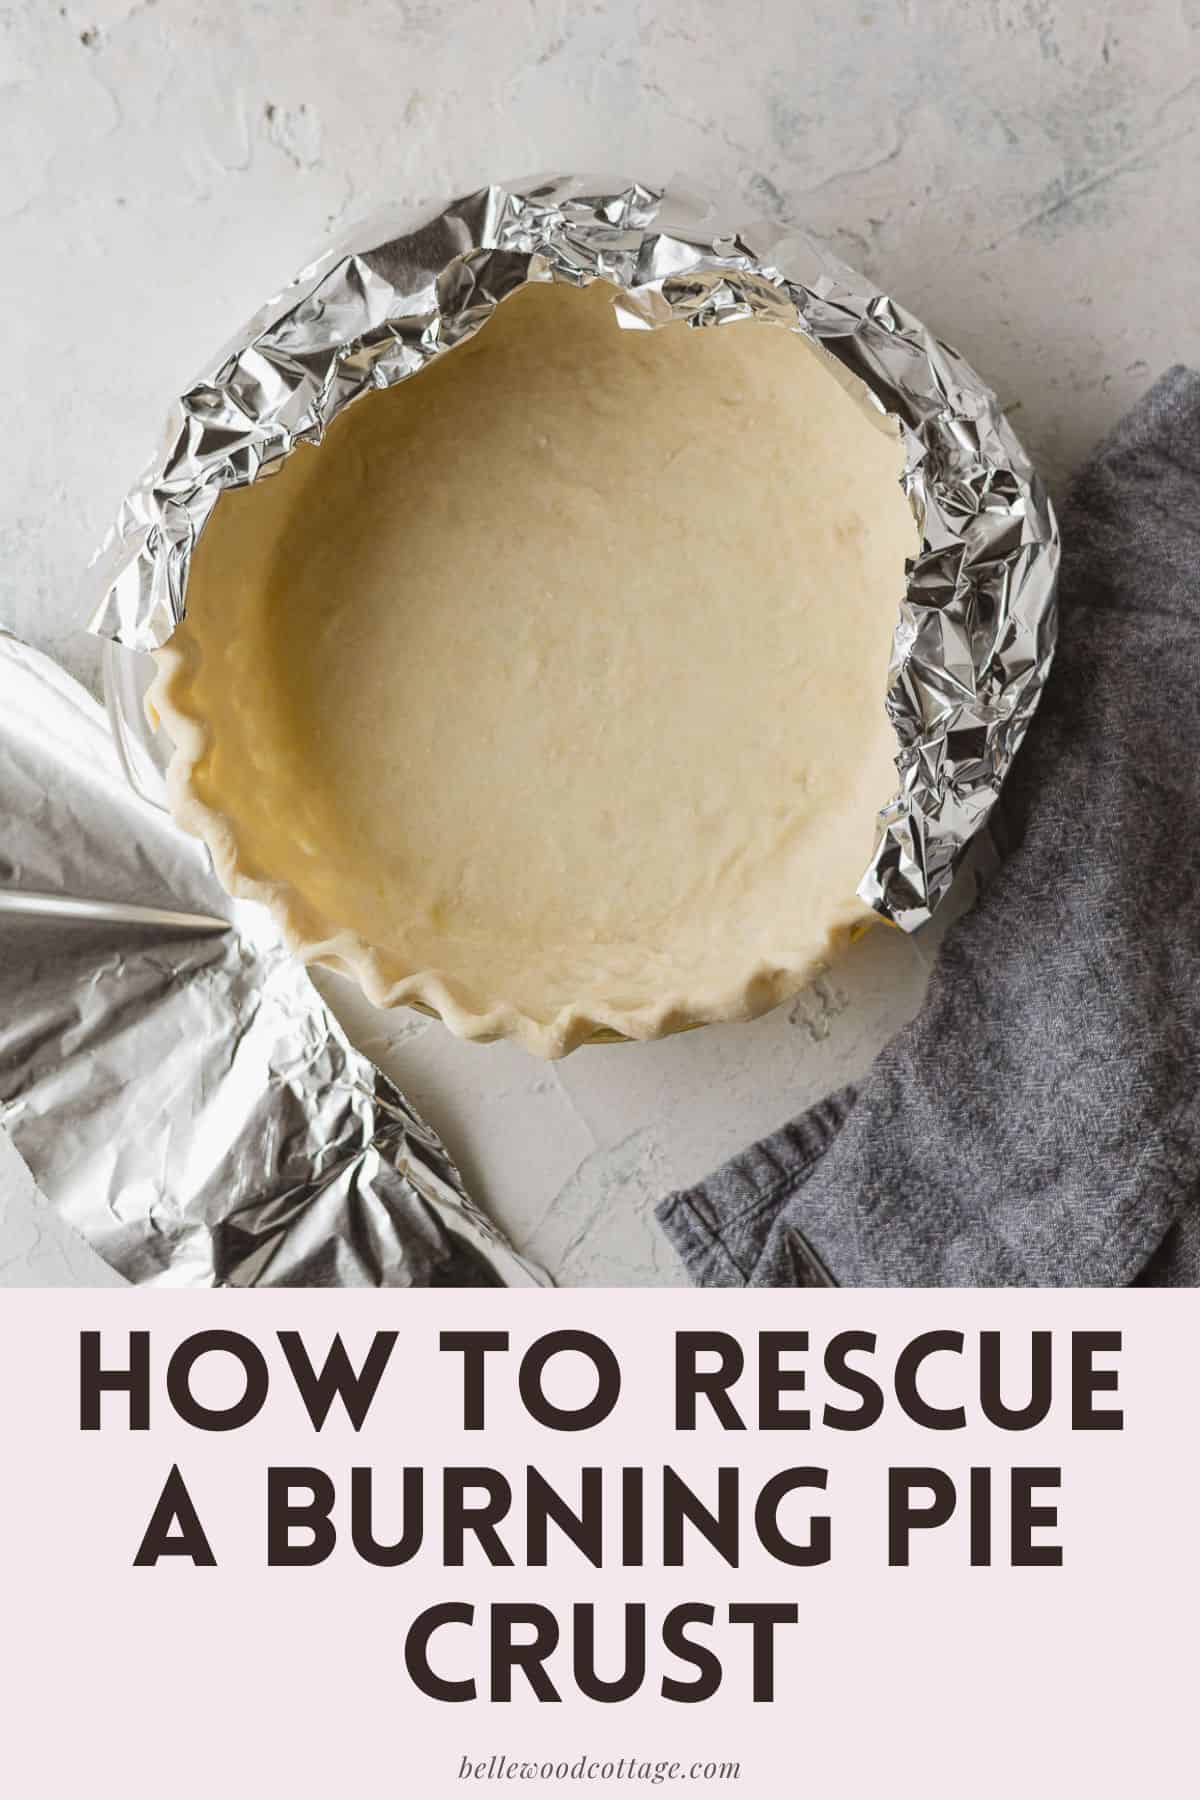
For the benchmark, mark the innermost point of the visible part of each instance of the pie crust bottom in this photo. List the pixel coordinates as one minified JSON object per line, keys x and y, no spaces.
{"x":548,"y":693}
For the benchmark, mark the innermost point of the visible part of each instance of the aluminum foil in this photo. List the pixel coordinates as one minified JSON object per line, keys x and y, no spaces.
{"x":177,"y":1088}
{"x":976,"y":628}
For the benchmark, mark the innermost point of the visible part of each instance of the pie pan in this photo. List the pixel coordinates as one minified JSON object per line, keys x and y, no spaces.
{"x":973,"y":633}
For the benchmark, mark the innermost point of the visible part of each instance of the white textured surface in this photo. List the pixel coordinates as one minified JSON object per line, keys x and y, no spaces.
{"x":1022,"y":173}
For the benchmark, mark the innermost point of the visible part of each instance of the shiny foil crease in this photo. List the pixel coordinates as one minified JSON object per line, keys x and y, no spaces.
{"x":169,"y":1074}
{"x":976,"y":628}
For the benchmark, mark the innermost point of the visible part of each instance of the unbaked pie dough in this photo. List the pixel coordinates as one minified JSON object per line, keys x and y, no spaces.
{"x":548,"y":692}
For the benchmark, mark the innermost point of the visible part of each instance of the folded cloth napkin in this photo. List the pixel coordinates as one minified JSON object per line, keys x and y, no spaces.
{"x":1039,"y":1122}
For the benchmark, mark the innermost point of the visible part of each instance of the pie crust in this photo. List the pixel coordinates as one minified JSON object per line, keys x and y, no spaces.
{"x":548,"y":693}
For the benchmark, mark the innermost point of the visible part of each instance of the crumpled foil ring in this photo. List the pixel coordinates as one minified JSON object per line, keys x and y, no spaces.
{"x":976,"y":627}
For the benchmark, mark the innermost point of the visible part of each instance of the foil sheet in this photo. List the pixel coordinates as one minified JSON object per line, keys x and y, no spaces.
{"x":169,"y":1074}
{"x":976,"y":627}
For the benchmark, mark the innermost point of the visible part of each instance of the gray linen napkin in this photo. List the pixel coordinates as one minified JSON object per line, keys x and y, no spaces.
{"x":1039,"y":1122}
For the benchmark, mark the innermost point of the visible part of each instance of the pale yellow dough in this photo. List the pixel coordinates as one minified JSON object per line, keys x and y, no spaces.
{"x":550,"y":690}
